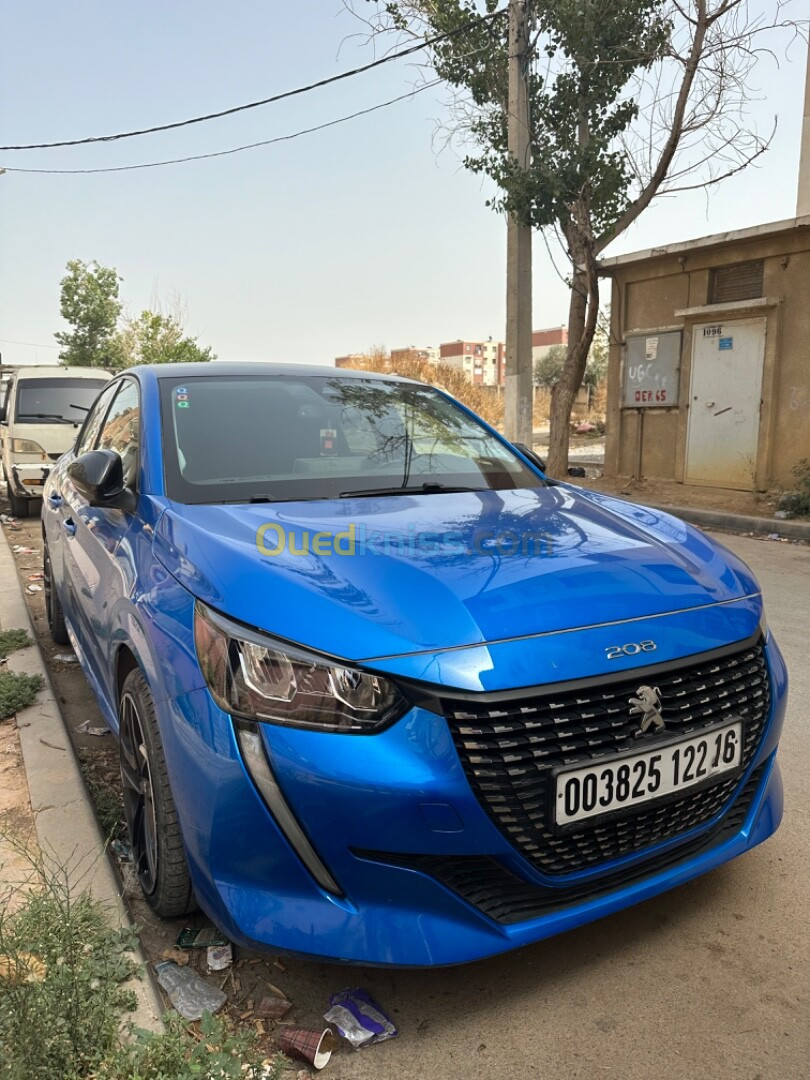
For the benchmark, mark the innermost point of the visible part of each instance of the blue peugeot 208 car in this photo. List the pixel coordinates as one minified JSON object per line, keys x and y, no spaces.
{"x":383,"y":691}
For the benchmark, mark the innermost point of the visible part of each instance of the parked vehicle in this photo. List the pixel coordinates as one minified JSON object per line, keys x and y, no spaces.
{"x":384,"y":692}
{"x":41,"y":411}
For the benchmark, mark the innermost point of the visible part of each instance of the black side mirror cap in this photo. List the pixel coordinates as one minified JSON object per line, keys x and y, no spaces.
{"x":535,"y":459}
{"x":99,"y":476}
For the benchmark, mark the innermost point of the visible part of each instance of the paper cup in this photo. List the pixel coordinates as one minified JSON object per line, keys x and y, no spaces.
{"x":314,"y":1047}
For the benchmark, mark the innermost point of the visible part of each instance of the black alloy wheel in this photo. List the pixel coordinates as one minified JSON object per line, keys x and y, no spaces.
{"x":154,"y":831}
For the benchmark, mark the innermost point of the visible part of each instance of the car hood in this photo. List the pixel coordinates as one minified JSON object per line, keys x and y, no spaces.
{"x":373,"y":577}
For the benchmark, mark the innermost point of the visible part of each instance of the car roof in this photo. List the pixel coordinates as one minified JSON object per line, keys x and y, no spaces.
{"x":234,"y":368}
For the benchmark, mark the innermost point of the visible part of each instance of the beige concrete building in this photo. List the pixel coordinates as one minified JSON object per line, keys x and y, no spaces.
{"x":709,"y":376}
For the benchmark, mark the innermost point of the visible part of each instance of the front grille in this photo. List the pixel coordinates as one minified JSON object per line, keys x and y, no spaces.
{"x":506,"y":898}
{"x":509,"y":750}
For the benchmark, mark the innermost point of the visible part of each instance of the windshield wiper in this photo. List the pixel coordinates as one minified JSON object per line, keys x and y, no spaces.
{"x":428,"y":488}
{"x":82,"y":408}
{"x":46,"y":416}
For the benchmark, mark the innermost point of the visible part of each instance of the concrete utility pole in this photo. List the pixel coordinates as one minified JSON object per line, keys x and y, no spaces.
{"x":518,"y":379}
{"x":803,"y":205}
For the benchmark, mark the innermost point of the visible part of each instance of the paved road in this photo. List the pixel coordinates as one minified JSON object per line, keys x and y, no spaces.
{"x":709,"y":981}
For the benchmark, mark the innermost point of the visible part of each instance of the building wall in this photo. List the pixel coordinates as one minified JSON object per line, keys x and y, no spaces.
{"x":481,"y":361}
{"x":543,"y":340}
{"x":670,"y":291}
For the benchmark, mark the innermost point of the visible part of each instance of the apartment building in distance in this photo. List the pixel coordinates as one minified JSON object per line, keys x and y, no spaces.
{"x":483,"y":362}
{"x":414,"y":352}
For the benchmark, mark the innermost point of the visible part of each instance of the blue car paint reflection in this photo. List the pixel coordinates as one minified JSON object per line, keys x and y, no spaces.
{"x":458,"y":620}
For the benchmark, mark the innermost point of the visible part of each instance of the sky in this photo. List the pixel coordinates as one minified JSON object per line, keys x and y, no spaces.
{"x":366,"y":233}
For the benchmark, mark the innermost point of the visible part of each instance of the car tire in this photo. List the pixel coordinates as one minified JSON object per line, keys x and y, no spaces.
{"x":53,"y":607}
{"x":19,"y":504}
{"x":154,"y":830}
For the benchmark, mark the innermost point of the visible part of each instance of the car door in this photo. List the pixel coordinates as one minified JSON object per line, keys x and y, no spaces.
{"x":55,"y":510}
{"x":93,"y":535}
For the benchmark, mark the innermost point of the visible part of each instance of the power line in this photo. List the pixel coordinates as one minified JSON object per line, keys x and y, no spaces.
{"x":234,"y":149}
{"x":264,"y":101}
{"x":33,"y":344}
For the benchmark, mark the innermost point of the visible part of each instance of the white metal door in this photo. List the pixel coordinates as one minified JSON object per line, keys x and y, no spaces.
{"x":725,"y":402}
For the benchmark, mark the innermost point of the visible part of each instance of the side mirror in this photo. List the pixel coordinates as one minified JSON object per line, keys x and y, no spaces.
{"x":99,"y":476}
{"x":535,"y":459}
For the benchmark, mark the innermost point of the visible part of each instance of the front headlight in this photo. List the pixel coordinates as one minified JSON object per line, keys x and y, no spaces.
{"x":251,"y":675}
{"x":27,"y":446}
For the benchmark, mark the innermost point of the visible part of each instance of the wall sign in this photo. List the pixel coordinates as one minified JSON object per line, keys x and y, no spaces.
{"x":652,"y":366}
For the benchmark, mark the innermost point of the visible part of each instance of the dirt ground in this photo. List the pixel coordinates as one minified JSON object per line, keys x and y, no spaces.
{"x":18,"y":844}
{"x":670,"y":493}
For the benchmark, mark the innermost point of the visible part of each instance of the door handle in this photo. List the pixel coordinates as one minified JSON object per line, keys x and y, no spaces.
{"x":69,"y":525}
{"x":54,"y":500}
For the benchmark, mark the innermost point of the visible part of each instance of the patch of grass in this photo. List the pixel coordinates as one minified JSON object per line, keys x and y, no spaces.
{"x":107,"y":801}
{"x":64,"y":1000}
{"x":17,"y":691}
{"x":221,"y":1052}
{"x":62,"y":996}
{"x":11,"y":640}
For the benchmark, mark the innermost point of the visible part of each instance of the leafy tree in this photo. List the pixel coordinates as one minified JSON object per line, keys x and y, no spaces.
{"x":155,"y":338}
{"x":89,"y":302}
{"x":626,"y":101}
{"x":548,"y":368}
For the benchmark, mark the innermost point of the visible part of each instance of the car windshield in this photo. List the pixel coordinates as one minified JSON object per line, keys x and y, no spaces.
{"x":267,"y":438}
{"x":56,"y":400}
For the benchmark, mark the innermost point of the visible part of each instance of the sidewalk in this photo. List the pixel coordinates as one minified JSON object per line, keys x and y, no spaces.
{"x":66,"y":827}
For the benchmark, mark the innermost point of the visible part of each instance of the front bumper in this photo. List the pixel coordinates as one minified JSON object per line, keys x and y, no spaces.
{"x":391,"y":816}
{"x":29,"y":479}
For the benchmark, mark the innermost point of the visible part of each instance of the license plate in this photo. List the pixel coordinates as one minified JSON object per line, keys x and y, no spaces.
{"x":650,"y":774}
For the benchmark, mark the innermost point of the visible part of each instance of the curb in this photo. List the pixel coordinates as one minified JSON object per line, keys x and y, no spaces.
{"x":67,"y":830}
{"x":737,"y":523}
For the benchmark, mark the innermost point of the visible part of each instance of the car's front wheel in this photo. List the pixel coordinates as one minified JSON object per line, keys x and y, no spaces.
{"x":53,"y":608}
{"x":154,"y":831}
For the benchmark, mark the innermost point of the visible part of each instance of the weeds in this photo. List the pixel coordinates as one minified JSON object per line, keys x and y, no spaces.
{"x":17,"y":691}
{"x":64,"y":1000}
{"x":106,"y":798}
{"x":798,"y":502}
{"x":11,"y":640}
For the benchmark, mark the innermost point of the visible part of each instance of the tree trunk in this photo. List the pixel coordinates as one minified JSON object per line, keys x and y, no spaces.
{"x":583,"y":310}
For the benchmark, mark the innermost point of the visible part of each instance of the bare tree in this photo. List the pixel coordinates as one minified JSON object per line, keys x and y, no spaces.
{"x":629,"y":101}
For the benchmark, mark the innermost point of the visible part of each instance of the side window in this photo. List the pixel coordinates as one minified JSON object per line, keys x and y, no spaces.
{"x":94,"y":420}
{"x":120,"y":430}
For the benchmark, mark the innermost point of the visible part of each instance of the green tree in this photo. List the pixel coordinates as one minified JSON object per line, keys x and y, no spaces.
{"x":155,"y":338}
{"x":626,"y":101}
{"x":548,"y":368}
{"x":89,"y":302}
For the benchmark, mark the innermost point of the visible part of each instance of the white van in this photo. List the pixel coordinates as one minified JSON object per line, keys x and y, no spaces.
{"x":41,"y":411}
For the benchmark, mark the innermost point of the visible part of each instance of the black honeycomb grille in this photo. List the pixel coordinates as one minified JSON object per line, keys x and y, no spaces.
{"x":509,"y":750}
{"x":505,"y":898}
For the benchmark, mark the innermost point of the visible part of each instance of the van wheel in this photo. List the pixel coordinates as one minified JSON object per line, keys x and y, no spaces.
{"x":19,"y":506}
{"x":53,"y":608}
{"x":154,"y":831}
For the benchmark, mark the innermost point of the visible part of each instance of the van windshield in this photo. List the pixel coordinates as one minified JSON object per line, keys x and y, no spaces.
{"x":56,"y":400}
{"x":268,"y":438}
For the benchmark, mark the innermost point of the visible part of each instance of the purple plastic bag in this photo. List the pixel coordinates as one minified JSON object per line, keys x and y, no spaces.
{"x":359,"y":1019}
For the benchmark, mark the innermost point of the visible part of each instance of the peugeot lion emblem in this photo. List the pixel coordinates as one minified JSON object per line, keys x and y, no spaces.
{"x":648,"y":706}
